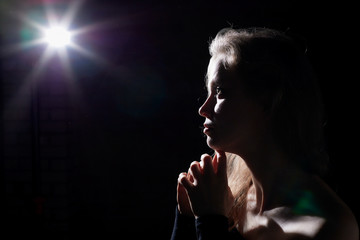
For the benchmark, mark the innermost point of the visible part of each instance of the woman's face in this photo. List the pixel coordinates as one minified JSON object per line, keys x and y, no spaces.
{"x":234,"y":122}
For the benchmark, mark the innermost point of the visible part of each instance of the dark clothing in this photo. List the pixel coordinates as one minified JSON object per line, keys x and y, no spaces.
{"x":208,"y":227}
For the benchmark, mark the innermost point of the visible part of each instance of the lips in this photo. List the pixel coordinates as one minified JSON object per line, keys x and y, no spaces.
{"x":208,"y":128}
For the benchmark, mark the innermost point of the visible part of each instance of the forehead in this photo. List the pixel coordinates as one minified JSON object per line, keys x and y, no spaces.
{"x":218,"y":74}
{"x":213,"y":67}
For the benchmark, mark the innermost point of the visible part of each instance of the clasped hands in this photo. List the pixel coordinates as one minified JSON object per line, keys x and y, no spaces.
{"x":204,"y":189}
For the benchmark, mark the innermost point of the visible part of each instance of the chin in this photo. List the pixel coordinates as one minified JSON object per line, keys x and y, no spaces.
{"x":215,"y":145}
{"x":222,"y":145}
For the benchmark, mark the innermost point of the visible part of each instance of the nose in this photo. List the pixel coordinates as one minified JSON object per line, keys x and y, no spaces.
{"x":206,"y":109}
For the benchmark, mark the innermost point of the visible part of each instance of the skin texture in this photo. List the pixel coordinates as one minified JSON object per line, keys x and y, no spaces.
{"x":284,"y":201}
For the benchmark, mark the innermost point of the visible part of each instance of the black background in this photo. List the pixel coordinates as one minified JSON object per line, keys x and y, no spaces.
{"x":136,"y":125}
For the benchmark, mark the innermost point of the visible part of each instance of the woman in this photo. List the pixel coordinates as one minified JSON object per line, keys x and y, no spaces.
{"x":264,"y":120}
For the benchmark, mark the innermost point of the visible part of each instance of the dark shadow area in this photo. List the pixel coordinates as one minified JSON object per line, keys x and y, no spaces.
{"x":113,"y":133}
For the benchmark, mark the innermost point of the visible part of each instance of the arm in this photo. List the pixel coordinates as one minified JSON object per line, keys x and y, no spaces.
{"x":208,"y":227}
{"x":184,"y":227}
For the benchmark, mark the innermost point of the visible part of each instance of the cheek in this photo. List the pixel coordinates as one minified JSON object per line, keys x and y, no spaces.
{"x":227,"y":116}
{"x":219,"y":107}
{"x":237,"y":117}
{"x":227,"y":110}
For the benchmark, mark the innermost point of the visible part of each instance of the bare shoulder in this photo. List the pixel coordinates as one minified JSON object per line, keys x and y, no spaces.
{"x":338,"y":221}
{"x":315,"y":213}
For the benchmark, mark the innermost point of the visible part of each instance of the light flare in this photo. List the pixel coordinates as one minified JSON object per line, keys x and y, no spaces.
{"x":57,"y":37}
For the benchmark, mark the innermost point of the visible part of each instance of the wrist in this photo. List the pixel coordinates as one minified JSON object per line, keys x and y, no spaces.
{"x":188,"y":213}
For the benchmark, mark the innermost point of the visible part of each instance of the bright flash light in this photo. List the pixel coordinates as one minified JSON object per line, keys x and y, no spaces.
{"x":57,"y":37}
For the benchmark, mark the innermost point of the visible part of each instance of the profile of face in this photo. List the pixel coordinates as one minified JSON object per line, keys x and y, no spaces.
{"x":234,"y":121}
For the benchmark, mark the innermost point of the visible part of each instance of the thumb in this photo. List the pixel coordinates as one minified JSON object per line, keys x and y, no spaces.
{"x":221,"y":165}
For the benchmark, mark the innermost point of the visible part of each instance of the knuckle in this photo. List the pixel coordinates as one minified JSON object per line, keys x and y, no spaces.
{"x":194,"y":165}
{"x":181,"y":175}
{"x":205,"y":157}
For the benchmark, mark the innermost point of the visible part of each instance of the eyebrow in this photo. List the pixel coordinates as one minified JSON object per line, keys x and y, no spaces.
{"x":214,"y":82}
{"x":210,"y":87}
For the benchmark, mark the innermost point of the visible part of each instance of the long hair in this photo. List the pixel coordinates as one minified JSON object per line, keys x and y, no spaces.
{"x":239,"y":181}
{"x":276,"y":72}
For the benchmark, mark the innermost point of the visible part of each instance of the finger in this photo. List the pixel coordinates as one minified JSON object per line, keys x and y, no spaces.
{"x":207,"y":165}
{"x":221,"y":164}
{"x":183,"y":200}
{"x":185,"y":182}
{"x":190,"y":177}
{"x":195,"y":170}
{"x":215,"y":162}
{"x":180,"y":187}
{"x":181,"y":175}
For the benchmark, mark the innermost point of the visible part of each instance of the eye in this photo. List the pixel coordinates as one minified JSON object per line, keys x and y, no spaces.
{"x":219,"y":91}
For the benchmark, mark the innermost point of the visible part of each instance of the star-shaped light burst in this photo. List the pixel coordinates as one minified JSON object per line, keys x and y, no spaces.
{"x":59,"y":37}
